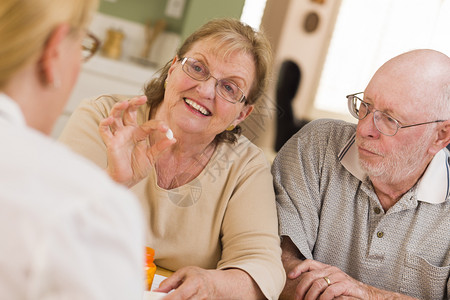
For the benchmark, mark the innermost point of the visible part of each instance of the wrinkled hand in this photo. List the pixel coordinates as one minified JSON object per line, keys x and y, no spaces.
{"x":312,"y":284}
{"x":130,"y":155}
{"x":189,"y":283}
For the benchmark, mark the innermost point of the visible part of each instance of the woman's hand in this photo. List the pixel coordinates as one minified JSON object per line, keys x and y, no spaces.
{"x":130,"y":155}
{"x":197,"y":283}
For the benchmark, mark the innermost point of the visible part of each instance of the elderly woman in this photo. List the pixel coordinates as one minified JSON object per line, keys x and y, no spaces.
{"x":207,"y":190}
{"x":64,"y":223}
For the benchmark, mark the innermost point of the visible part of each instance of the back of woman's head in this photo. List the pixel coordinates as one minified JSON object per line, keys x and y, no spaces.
{"x":25,"y":26}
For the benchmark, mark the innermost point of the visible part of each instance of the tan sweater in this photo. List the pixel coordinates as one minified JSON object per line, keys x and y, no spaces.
{"x":224,"y":218}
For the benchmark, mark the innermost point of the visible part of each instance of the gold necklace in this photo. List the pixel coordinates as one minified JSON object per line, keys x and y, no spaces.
{"x":187,"y":174}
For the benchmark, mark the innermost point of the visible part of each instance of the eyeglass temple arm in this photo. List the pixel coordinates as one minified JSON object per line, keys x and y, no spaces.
{"x":406,"y":126}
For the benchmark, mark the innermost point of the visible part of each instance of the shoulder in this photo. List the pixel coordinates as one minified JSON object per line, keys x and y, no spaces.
{"x":320,"y":134}
{"x":56,"y":176}
{"x":104,"y":103}
{"x":57,"y":205}
{"x":326,"y":129}
{"x":243,"y":152}
{"x":317,"y":143}
{"x":88,"y":115}
{"x":233,"y":163}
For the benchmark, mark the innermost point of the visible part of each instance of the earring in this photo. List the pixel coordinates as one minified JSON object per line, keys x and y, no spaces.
{"x":231,"y":127}
{"x":165,"y":84}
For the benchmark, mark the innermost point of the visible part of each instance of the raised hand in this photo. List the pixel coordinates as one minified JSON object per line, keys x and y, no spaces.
{"x":130,"y":153}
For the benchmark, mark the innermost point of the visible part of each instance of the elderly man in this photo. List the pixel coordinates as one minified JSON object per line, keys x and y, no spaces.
{"x":365,"y":209}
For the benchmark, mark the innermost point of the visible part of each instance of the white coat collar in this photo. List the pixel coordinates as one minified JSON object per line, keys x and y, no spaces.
{"x":10,"y":111}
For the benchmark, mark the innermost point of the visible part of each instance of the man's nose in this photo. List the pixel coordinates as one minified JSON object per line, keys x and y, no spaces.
{"x":366,"y":127}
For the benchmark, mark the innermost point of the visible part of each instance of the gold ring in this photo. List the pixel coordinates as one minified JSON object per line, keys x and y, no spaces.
{"x":327,"y":280}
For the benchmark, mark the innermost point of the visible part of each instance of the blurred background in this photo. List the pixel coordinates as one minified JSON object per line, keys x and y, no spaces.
{"x":324,"y":50}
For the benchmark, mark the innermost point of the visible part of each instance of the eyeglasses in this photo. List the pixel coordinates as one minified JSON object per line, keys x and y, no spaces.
{"x":89,"y":46}
{"x":225,"y":88}
{"x":384,"y":123}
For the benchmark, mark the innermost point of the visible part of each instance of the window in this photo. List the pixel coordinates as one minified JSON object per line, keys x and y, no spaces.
{"x":367,"y":34}
{"x":252,"y":12}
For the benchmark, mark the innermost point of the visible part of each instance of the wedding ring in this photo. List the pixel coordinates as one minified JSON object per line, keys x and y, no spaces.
{"x":327,"y":280}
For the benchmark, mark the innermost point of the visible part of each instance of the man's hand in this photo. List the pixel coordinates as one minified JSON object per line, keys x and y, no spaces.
{"x":317,"y":280}
{"x":309,"y":279}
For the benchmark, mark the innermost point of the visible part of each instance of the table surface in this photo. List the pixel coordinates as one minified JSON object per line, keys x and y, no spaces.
{"x":163,"y":272}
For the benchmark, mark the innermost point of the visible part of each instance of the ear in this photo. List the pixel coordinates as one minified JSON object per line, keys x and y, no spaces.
{"x":245,"y":112}
{"x":172,"y":66}
{"x":51,"y":54}
{"x":442,"y":139}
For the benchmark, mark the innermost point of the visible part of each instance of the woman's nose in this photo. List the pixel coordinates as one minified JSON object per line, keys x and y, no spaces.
{"x":366,"y":127}
{"x":207,"y":88}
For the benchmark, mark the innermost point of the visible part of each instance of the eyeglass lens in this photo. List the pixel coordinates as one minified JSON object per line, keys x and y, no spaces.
{"x":89,"y":46}
{"x":383,"y":122}
{"x":225,"y":88}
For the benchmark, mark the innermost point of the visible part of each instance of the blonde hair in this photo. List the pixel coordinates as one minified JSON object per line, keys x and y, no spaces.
{"x":232,"y":35}
{"x":25,"y":26}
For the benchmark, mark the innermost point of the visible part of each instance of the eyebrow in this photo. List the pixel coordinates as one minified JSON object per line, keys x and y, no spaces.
{"x":387,"y":112}
{"x":233,"y":78}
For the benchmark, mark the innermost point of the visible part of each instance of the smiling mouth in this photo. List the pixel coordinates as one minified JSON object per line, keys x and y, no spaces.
{"x":197,"y":107}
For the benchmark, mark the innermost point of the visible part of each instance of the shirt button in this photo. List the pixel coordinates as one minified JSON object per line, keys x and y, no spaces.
{"x":377,"y":210}
{"x":380,"y":234}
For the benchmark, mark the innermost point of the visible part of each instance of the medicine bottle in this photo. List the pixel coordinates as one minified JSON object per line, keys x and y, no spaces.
{"x":150,"y":267}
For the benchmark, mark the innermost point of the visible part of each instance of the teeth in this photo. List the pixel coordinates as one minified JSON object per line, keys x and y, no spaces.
{"x":197,"y":107}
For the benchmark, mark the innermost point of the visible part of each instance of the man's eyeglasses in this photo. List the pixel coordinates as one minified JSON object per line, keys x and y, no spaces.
{"x":89,"y":46}
{"x":384,"y":123}
{"x":225,"y":88}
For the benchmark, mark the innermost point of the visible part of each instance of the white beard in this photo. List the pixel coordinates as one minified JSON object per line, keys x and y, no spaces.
{"x":397,"y":164}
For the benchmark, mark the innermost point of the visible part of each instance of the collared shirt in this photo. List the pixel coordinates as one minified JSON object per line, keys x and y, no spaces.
{"x":68,"y":231}
{"x":432,"y":187}
{"x":329,"y":209}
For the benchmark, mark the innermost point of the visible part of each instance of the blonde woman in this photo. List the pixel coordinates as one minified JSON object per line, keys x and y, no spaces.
{"x":68,"y":231}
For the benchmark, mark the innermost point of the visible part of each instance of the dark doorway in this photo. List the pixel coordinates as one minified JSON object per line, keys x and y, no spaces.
{"x":289,"y":79}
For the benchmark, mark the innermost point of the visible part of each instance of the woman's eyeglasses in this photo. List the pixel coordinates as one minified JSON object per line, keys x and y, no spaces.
{"x":89,"y":46}
{"x":225,"y":88}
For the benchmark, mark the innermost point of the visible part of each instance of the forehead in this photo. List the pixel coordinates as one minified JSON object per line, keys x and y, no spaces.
{"x":219,"y":60}
{"x":396,"y":96}
{"x":221,"y":50}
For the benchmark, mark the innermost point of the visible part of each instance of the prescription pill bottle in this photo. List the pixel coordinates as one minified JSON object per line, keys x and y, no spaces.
{"x":150,"y":267}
